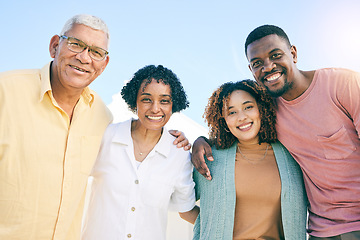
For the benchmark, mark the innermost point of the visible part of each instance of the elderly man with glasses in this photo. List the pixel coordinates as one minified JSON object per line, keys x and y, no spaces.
{"x":51,"y":126}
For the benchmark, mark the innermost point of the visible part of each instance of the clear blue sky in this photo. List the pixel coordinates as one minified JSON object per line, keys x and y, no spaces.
{"x":202,"y":41}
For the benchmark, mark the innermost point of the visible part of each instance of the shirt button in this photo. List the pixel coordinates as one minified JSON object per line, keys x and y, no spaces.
{"x":133,"y":209}
{"x":136,"y":181}
{"x":129,"y":235}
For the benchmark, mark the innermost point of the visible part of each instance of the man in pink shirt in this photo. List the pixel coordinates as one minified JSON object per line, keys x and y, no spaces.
{"x":318,"y":121}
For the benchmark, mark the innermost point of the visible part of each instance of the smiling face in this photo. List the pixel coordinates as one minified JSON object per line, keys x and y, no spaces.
{"x":272,"y":63}
{"x":75,"y":71}
{"x":154,"y":105}
{"x":242,"y":117}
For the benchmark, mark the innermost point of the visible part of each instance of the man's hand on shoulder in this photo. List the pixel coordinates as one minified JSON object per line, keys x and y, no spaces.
{"x":201,"y":147}
{"x":181,"y":140}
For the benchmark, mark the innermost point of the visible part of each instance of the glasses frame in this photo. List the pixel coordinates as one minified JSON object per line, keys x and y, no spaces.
{"x":90,"y":48}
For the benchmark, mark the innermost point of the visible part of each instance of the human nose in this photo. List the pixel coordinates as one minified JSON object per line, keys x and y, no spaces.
{"x":268,"y":65}
{"x":241,"y":116}
{"x":84,"y":56}
{"x":155,"y":107}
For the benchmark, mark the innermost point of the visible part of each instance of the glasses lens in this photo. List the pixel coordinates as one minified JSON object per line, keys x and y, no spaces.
{"x":97,"y":53}
{"x":76,"y":45}
{"x":79,"y":46}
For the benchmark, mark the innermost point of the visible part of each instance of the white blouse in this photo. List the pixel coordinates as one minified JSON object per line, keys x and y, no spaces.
{"x":129,"y":201}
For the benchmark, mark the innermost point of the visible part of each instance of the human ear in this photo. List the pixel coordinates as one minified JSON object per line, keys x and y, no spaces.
{"x":53,"y":46}
{"x":293,"y":53}
{"x":105,"y":63}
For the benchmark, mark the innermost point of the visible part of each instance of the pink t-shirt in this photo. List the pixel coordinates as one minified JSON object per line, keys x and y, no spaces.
{"x":321,"y":129}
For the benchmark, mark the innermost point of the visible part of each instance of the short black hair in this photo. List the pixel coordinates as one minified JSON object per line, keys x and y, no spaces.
{"x":264,"y":31}
{"x":161,"y":74}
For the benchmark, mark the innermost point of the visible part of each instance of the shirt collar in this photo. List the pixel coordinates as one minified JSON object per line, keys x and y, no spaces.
{"x":165,"y":143}
{"x":123,"y":136}
{"x":87,"y":95}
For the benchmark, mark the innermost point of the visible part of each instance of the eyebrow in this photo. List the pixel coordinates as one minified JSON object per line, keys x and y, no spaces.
{"x":246,"y":102}
{"x":163,"y":95}
{"x":274,"y":50}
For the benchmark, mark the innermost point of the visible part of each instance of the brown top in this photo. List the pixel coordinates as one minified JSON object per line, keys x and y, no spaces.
{"x":258,"y":194}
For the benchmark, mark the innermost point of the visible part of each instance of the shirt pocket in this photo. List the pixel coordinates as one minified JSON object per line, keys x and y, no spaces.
{"x":156,"y":193}
{"x":90,"y":146}
{"x":338,"y":145}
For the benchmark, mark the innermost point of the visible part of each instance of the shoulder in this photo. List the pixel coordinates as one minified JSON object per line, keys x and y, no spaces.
{"x":100,"y":107}
{"x":115,"y":131}
{"x":224,"y":154}
{"x":98,"y":102}
{"x":224,"y":161}
{"x":13,"y":77}
{"x":19,"y":84}
{"x":277,"y":146}
{"x":334,"y":70}
{"x":338,"y":82}
{"x":337,"y":74}
{"x":166,"y":141}
{"x":118,"y":127}
{"x":285,"y":160}
{"x":280,"y":151}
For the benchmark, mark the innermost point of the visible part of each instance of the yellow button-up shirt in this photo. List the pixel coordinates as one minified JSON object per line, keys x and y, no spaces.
{"x":45,"y":159}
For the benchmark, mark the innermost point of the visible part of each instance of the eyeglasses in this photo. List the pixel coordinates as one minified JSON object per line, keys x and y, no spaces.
{"x":78,"y":46}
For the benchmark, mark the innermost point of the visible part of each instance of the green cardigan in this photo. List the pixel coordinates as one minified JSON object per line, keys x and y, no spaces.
{"x":218,"y":197}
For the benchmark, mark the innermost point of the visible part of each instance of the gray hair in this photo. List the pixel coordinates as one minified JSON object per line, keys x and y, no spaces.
{"x":87,"y":20}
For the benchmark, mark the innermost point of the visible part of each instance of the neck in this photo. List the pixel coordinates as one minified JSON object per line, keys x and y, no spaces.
{"x":65,"y":98}
{"x":250,"y":142}
{"x":142,"y":134}
{"x":144,"y":139}
{"x":251,"y":145}
{"x":301,"y":83}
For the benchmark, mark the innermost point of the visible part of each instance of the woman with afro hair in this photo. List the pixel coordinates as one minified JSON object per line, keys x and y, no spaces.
{"x":140,"y":173}
{"x":257,"y":190}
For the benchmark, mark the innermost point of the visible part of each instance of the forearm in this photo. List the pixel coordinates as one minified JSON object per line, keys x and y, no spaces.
{"x":191,"y":215}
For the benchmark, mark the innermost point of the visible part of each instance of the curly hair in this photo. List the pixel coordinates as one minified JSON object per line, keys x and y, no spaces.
{"x":219,"y":132}
{"x":161,"y":74}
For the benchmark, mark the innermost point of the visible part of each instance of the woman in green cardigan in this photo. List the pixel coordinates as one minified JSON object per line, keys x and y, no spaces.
{"x":257,"y":189}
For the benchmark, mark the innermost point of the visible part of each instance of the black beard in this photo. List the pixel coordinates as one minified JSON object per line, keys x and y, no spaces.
{"x":278,"y":93}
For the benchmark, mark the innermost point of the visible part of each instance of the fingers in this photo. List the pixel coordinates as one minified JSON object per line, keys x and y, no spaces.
{"x":185,"y":144}
{"x":187,"y":147}
{"x":201,"y":148}
{"x":178,"y":135}
{"x":181,"y":140}
{"x":208,"y":152}
{"x":200,"y":165}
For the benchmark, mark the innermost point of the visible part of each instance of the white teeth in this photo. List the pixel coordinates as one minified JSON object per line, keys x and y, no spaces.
{"x":154,"y":118}
{"x":245,"y":126}
{"x":273,"y":77}
{"x":81,"y":70}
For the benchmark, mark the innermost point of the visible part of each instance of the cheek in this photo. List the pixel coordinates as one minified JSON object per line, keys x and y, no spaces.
{"x":99,"y":68}
{"x":168,"y":111}
{"x":140,"y":109}
{"x":258,"y":119}
{"x":256,"y":75}
{"x":259,"y":81}
{"x":229,"y":121}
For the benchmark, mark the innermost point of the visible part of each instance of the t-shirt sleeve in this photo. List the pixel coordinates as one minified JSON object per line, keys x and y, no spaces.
{"x":349,"y":97}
